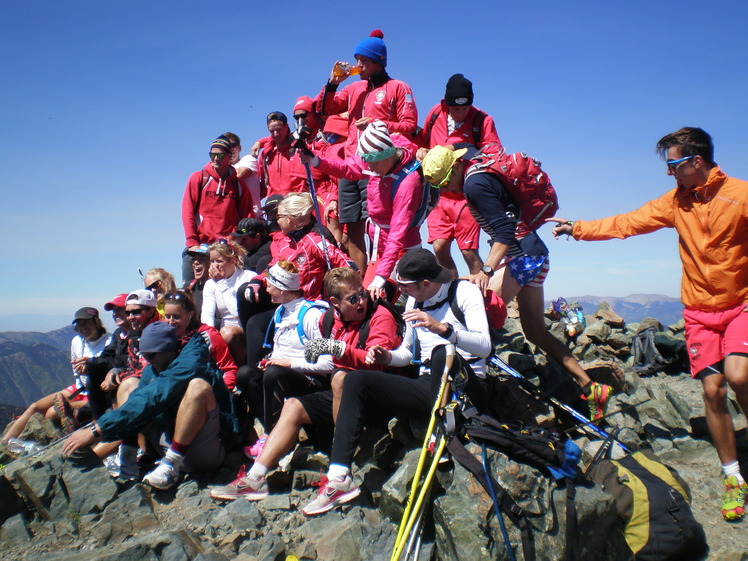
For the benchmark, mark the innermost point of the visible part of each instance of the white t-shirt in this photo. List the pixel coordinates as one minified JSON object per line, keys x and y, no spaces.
{"x":219,"y":298}
{"x":79,"y":347}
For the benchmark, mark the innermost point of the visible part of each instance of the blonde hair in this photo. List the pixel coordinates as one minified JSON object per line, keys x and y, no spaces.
{"x":296,"y":205}
{"x":230,"y":250}
{"x":166,"y":278}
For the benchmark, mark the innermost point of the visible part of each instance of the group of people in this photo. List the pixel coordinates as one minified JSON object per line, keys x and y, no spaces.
{"x":294,"y":256}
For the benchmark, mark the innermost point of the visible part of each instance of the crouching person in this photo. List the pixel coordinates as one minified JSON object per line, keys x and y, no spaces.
{"x":430,"y":325}
{"x":181,"y":404}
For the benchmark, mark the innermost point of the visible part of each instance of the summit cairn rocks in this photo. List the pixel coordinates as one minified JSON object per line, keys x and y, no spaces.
{"x":70,"y":510}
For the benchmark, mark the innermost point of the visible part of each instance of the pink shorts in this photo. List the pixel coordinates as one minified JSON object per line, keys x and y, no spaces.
{"x":711,"y":336}
{"x":451,"y":219}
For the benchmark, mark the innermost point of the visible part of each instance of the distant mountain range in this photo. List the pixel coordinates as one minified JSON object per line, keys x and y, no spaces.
{"x":34,"y":364}
{"x":635,"y":307}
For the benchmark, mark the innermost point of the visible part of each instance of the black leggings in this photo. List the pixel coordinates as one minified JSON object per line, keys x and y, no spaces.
{"x":396,"y":396}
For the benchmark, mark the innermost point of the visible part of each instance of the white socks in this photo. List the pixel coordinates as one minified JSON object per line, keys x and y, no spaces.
{"x":336,"y":472}
{"x":733,"y":469}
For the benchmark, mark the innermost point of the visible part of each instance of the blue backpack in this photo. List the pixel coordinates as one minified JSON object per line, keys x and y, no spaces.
{"x":430,"y":194}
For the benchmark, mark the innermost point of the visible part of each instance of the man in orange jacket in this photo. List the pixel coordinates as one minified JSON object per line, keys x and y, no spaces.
{"x":709,"y":210}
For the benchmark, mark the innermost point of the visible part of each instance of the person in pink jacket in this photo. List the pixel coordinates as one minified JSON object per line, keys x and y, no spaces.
{"x":394,"y":195}
{"x":375,"y":97}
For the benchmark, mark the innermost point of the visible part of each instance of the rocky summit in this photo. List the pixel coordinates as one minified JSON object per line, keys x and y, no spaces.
{"x":70,"y":509}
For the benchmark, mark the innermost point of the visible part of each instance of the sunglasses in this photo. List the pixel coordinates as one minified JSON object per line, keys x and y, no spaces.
{"x":303,"y":115}
{"x":217,"y":155}
{"x":356,"y":298}
{"x":176,"y":296}
{"x":673,"y":164}
{"x":153,"y":285}
{"x":137,"y":312}
{"x":446,"y":179}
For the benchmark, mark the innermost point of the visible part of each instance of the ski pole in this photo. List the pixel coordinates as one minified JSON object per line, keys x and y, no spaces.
{"x":439,"y":402}
{"x":584,"y":421}
{"x":608,"y":415}
{"x":315,"y":202}
{"x":504,"y":533}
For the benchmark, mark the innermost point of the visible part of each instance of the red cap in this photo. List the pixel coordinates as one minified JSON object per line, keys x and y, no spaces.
{"x":117,"y":302}
{"x":304,"y":103}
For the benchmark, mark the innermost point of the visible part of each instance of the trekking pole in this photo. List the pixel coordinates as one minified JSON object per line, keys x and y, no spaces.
{"x":57,"y":441}
{"x":439,"y":402}
{"x":621,"y":410}
{"x":499,"y":516}
{"x":315,"y":202}
{"x":584,"y":421}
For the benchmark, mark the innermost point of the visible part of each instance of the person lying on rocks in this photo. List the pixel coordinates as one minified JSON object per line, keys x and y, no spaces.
{"x":432,"y":323}
{"x":358,"y":325}
{"x":285,"y":372}
{"x":90,"y":340}
{"x":181,"y":405}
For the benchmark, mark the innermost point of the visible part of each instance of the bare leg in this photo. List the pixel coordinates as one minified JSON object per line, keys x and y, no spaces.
{"x":193,"y":410}
{"x":237,"y":344}
{"x":443,"y":252}
{"x":357,"y":245}
{"x":41,"y":407}
{"x":284,"y":435}
{"x":337,"y":391}
{"x":125,"y":389}
{"x":472,"y":259}
{"x":718,"y":417}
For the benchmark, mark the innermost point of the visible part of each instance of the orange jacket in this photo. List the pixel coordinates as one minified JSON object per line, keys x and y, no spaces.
{"x":712,"y":226}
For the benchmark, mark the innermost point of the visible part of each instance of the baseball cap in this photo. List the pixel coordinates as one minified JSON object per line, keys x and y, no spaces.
{"x":158,"y":337}
{"x":246,"y":227}
{"x":86,"y":313}
{"x":420,"y":264}
{"x":272,"y":202}
{"x":201,"y":251}
{"x":116,"y":302}
{"x":438,"y":162}
{"x":142,"y":297}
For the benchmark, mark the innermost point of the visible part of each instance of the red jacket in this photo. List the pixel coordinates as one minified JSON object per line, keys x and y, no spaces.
{"x":380,"y":97}
{"x":280,"y":171}
{"x":306,"y":252}
{"x":221,"y":355}
{"x":437,"y":135}
{"x":212,"y":211}
{"x":382,"y":331}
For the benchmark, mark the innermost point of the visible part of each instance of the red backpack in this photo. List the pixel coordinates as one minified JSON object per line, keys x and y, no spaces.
{"x":527,"y":182}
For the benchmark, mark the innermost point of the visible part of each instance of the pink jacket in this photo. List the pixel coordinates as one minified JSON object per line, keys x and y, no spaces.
{"x":392,"y":102}
{"x":393,"y":215}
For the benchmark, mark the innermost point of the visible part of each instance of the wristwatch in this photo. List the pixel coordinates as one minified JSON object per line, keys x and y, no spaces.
{"x":450,"y":330}
{"x":488,"y":270}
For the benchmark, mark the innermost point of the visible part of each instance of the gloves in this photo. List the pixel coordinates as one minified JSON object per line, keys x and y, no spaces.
{"x":252,"y":292}
{"x":317,"y":347}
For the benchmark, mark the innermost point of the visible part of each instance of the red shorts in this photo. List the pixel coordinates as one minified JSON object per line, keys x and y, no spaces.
{"x":78,"y":397}
{"x":711,"y":336}
{"x":451,"y":219}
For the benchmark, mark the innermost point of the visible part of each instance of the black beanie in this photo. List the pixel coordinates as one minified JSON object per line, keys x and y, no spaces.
{"x":459,"y":91}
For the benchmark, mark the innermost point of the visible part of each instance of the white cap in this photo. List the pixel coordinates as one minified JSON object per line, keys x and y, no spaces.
{"x":141,"y":297}
{"x":282,"y":279}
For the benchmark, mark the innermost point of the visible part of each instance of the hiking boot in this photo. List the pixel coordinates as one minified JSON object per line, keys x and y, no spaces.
{"x":243,"y":487}
{"x":255,"y":450}
{"x":331,"y":494}
{"x":163,"y":477}
{"x":733,"y":505}
{"x":597,"y":400}
{"x":65,"y":412}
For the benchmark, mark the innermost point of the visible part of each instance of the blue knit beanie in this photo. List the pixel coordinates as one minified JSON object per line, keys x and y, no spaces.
{"x":373,"y":47}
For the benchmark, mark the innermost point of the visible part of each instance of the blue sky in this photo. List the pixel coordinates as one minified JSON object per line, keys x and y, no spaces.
{"x":107,"y":107}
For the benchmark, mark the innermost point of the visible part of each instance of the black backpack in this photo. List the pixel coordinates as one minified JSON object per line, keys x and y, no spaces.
{"x":653,"y":502}
{"x":647,"y":357}
{"x":328,"y":319}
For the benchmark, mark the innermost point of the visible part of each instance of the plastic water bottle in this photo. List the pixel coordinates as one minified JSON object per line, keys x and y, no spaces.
{"x":572,"y":317}
{"x":345,"y":69}
{"x":23,"y":447}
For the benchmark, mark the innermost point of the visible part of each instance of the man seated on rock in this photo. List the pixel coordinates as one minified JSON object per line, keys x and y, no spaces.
{"x":181,"y":400}
{"x":432,"y":323}
{"x":355,"y":317}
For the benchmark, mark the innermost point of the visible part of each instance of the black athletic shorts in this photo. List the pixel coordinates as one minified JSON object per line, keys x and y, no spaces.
{"x":352,"y":200}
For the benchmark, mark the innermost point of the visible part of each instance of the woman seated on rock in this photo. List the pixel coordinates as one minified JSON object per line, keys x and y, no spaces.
{"x":179,"y":312}
{"x":285,"y":372}
{"x":219,"y":295}
{"x":90,"y":341}
{"x":159,"y":281}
